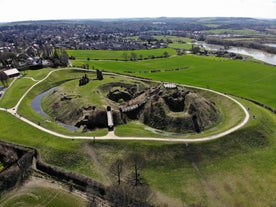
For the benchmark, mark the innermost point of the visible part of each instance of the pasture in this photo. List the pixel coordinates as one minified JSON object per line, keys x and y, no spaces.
{"x":120,"y":55}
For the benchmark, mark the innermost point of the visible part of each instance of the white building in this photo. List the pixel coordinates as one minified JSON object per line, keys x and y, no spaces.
{"x":12,"y":72}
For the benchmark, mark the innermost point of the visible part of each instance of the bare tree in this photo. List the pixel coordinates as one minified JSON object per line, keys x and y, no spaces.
{"x":130,"y":196}
{"x":136,"y":162}
{"x":116,"y":169}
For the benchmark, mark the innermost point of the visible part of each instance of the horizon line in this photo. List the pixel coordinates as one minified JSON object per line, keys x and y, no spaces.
{"x":125,"y":18}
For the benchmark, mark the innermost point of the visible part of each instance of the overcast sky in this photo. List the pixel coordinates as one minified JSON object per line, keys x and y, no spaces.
{"x":19,"y":10}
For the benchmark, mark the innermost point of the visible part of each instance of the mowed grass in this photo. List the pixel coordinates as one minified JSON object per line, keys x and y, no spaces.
{"x":236,"y":170}
{"x":65,"y":153}
{"x":223,"y":164}
{"x":91,"y":94}
{"x":210,"y":174}
{"x":247,"y":79}
{"x":118,"y":55}
{"x":181,"y":46}
{"x":236,"y":31}
{"x":41,"y":194}
{"x":53,"y":80}
{"x":20,"y":86}
{"x":13,"y":94}
{"x":175,"y":38}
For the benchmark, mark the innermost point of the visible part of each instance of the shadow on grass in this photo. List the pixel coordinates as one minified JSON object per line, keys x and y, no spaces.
{"x":171,"y":155}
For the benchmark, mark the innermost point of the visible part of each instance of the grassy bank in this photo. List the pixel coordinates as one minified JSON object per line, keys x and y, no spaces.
{"x":92,"y":94}
{"x":236,"y":170}
{"x":226,"y":171}
{"x":229,"y":171}
{"x":38,"y":192}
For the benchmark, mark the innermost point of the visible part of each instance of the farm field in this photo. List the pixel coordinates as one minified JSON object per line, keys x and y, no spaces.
{"x":236,"y":170}
{"x":236,"y":32}
{"x":119,"y":55}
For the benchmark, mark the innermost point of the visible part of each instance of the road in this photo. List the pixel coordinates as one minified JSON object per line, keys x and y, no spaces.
{"x":111,"y":135}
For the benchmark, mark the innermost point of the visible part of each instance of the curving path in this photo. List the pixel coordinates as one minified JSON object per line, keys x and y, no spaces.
{"x":111,"y":135}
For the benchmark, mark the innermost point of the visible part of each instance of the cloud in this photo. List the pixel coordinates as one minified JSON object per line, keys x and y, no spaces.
{"x":13,"y":10}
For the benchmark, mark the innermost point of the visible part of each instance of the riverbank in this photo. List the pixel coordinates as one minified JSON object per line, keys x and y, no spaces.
{"x":256,"y":54}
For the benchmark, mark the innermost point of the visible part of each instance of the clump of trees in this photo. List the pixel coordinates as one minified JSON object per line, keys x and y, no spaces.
{"x":99,"y":74}
{"x":84,"y":80}
{"x":59,"y":58}
{"x":129,"y":189}
{"x":247,"y":44}
{"x":4,"y":79}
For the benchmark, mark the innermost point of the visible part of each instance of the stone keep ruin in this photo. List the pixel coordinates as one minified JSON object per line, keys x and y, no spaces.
{"x":166,"y":107}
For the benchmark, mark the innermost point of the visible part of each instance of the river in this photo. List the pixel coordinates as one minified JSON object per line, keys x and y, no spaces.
{"x":270,"y":45}
{"x":257,"y":54}
{"x":36,"y":106}
{"x":36,"y":103}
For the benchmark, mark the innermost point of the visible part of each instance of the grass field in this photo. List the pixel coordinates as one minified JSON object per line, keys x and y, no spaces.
{"x":236,"y":31}
{"x":182,"y":46}
{"x":170,"y":170}
{"x":236,"y":170}
{"x":92,"y":94}
{"x":118,"y":55}
{"x":247,"y":79}
{"x":38,"y":192}
{"x":225,"y":172}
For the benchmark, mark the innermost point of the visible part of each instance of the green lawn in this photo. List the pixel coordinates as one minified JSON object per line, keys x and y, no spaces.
{"x":20,"y":86}
{"x":118,"y":55}
{"x":236,"y":170}
{"x":247,"y":79}
{"x":55,"y":79}
{"x":13,"y":94}
{"x":229,"y":171}
{"x":48,"y":195}
{"x":180,"y":46}
{"x":235,"y":31}
{"x":92,"y":94}
{"x":174,"y":38}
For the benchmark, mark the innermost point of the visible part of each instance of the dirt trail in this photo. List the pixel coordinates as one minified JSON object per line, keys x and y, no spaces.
{"x":95,"y":159}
